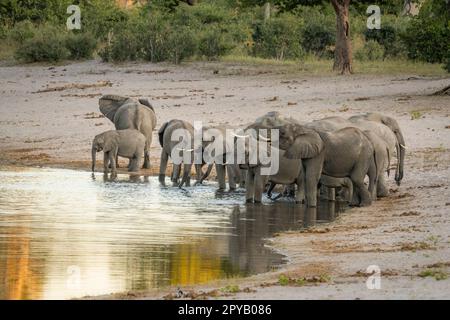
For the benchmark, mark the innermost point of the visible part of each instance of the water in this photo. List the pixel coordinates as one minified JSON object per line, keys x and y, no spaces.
{"x":66,"y":234}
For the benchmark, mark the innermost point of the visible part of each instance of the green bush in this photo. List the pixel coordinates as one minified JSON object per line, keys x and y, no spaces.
{"x":214,"y":43}
{"x":427,"y":37}
{"x":123,"y":46}
{"x":80,"y":45}
{"x":447,"y":61}
{"x":181,"y":44}
{"x":318,"y":38}
{"x":22,"y":31}
{"x":278,"y":38}
{"x":371,"y":51}
{"x":48,"y":44}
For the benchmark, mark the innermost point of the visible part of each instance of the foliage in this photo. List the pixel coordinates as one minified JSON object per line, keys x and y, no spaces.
{"x":278,"y":38}
{"x":372,"y":50}
{"x":80,"y":45}
{"x":214,"y":43}
{"x":48,"y":44}
{"x":427,"y":37}
{"x":21,"y":31}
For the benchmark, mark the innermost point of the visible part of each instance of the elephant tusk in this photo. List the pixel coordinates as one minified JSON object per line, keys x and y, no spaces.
{"x":238,"y":136}
{"x":264,"y":139}
{"x":401,"y":145}
{"x":187,"y":150}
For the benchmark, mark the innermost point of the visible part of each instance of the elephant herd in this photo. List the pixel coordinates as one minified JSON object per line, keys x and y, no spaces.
{"x":333,"y":154}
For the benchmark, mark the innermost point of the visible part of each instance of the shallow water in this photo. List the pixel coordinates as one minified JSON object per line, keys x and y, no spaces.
{"x":66,"y":234}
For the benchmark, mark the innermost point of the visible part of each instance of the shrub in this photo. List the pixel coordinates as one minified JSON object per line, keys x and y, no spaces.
{"x":278,"y":38}
{"x":447,"y":61}
{"x":123,"y":46}
{"x":427,"y":37}
{"x":48,"y":44}
{"x":214,"y":44}
{"x":80,"y":45}
{"x":22,"y":31}
{"x":181,"y":44}
{"x":372,"y":50}
{"x":317,"y":38}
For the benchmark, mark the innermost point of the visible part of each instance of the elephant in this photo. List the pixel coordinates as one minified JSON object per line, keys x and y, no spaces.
{"x":165,"y":134}
{"x":333,"y":183}
{"x":343,"y":153}
{"x":224,"y":166}
{"x":392,"y":124}
{"x":289,"y":171}
{"x":384,"y":146}
{"x":128,"y":143}
{"x":129,"y":113}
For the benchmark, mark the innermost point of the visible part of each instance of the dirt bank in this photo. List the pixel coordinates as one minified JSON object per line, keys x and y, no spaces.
{"x":49,"y":116}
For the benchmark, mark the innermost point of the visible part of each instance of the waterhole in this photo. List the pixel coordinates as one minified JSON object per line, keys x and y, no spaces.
{"x":67,"y":234}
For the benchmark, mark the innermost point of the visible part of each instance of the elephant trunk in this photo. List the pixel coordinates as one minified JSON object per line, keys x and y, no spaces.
{"x":94,"y":154}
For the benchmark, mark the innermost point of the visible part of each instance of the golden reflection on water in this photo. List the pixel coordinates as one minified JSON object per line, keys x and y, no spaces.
{"x":64,"y":234}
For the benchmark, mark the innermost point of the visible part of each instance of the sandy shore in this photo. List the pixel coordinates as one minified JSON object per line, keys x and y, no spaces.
{"x":49,"y":116}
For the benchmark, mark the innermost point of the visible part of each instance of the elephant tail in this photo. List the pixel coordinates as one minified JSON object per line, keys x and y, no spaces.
{"x":389,"y":162}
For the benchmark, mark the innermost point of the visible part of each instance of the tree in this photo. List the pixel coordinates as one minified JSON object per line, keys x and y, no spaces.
{"x":343,"y":48}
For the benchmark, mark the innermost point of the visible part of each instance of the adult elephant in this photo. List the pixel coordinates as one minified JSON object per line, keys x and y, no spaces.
{"x":291,"y":172}
{"x":225,"y":166}
{"x":169,"y":135}
{"x":393,"y":125}
{"x":385,"y":146}
{"x":343,"y":153}
{"x":129,"y":113}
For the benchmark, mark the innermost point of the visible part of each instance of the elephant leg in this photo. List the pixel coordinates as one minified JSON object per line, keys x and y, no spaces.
{"x":220,"y":169}
{"x":106,"y":162}
{"x":270,"y":189}
{"x":259,"y":186}
{"x":186,"y":179}
{"x":373,"y":179}
{"x":231,"y":173}
{"x":198,"y":173}
{"x":176,"y":174}
{"x":134,"y":164}
{"x":250,"y":186}
{"x":313,"y":170}
{"x":163,"y":167}
{"x":146,"y":159}
{"x":382,"y":189}
{"x":361,"y":191}
{"x":112,"y":159}
{"x":331,"y":194}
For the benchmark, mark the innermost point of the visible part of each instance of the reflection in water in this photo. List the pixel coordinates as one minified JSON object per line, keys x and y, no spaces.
{"x":64,"y":234}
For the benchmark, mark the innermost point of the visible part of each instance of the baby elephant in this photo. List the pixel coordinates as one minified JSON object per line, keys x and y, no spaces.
{"x":127,"y":143}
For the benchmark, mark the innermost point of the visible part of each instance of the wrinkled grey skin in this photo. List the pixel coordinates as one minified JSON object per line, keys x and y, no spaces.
{"x":392,"y":124}
{"x":289,"y":170}
{"x":230,"y":169}
{"x":165,"y":134}
{"x":343,"y":153}
{"x":384,"y":149}
{"x":127,"y":143}
{"x":382,"y":158}
{"x":129,"y":113}
{"x":332,"y":183}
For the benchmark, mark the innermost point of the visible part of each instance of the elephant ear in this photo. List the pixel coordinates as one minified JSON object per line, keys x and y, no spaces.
{"x":305,"y":146}
{"x":109,"y":104}
{"x":146,"y":103}
{"x":161,"y":133}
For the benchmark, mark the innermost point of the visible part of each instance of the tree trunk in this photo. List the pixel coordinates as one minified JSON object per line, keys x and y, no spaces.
{"x":267,"y":11}
{"x":343,"y":49}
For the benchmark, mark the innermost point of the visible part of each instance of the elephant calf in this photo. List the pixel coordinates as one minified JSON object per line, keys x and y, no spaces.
{"x":128,"y":143}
